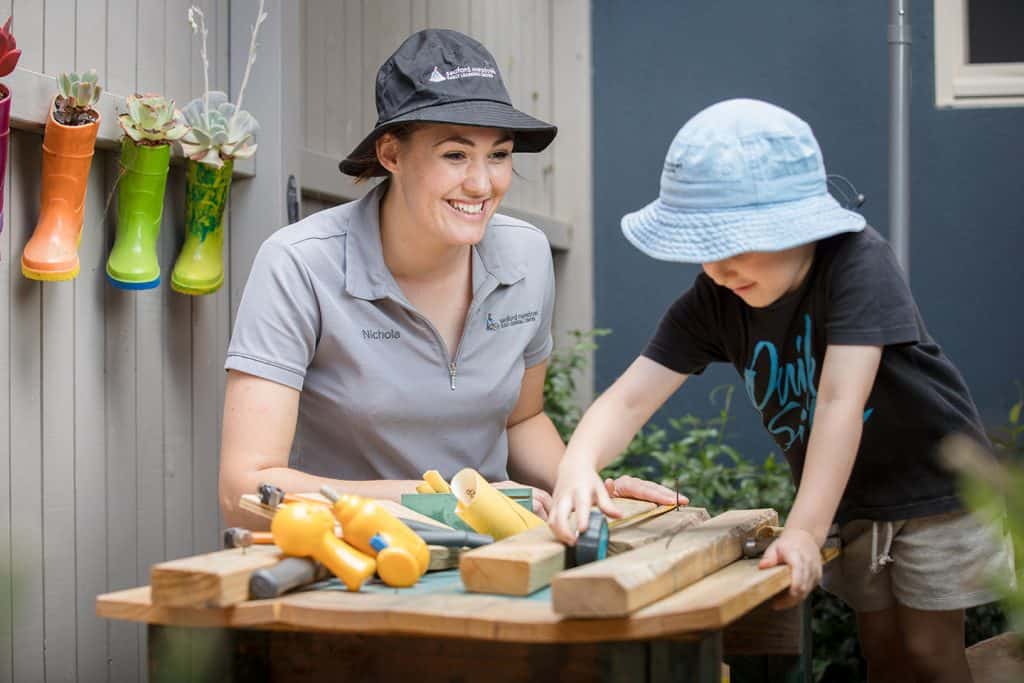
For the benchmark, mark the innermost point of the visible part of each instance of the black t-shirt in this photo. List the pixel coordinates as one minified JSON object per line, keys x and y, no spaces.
{"x":854,"y":294}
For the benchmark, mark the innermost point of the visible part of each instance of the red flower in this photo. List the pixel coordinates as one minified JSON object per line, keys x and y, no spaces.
{"x":9,"y":52}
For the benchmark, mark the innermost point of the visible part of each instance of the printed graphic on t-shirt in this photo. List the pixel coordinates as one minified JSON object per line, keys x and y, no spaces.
{"x":781,"y":385}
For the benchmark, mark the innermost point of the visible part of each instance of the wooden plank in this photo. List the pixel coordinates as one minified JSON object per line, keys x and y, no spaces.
{"x":6,"y":341}
{"x":517,"y":565}
{"x":417,"y":15}
{"x":218,"y":579}
{"x":122,"y":26}
{"x":439,"y":607}
{"x":629,"y":537}
{"x":453,"y":14}
{"x":571,"y":174}
{"x":90,"y":521}
{"x":352,"y":121}
{"x":386,"y":23}
{"x":627,"y":582}
{"x":26,"y":505}
{"x":331,"y":90}
{"x":317,"y":82}
{"x":151,"y":55}
{"x":122,"y":506}
{"x":136,"y":605}
{"x":58,"y":407}
{"x":177,"y":391}
{"x":7,"y":335}
{"x":177,"y":318}
{"x":526,"y":562}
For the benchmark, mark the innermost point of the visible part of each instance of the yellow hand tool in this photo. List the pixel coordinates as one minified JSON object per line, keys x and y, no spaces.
{"x":307,"y":530}
{"x":402,"y":556}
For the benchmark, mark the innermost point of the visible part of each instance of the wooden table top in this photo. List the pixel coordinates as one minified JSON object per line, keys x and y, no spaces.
{"x":439,"y":606}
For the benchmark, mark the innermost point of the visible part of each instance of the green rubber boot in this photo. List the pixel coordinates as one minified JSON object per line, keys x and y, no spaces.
{"x":200,"y":267}
{"x":133,"y":261}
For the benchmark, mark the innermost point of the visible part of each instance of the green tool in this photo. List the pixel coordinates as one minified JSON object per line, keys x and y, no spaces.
{"x":592,"y":544}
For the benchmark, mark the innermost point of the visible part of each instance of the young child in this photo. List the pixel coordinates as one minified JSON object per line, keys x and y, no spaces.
{"x":811,"y":308}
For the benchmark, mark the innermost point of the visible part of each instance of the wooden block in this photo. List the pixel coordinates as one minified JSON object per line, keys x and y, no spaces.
{"x":216,"y":579}
{"x":443,"y":557}
{"x":624,"y":583}
{"x":629,"y":537}
{"x":517,"y":565}
{"x":526,"y":562}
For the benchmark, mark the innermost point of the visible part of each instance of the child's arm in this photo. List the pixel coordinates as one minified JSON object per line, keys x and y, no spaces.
{"x":847,"y":375}
{"x":604,"y":432}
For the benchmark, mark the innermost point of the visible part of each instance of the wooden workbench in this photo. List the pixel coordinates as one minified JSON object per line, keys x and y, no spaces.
{"x":436,"y":631}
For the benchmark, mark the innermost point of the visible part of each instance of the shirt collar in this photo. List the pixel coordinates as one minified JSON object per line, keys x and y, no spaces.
{"x":368,"y":277}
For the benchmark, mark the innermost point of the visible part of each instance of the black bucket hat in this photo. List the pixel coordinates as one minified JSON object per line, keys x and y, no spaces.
{"x":443,"y":76}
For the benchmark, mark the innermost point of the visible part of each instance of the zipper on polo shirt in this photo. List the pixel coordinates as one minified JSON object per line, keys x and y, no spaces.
{"x":484,"y":292}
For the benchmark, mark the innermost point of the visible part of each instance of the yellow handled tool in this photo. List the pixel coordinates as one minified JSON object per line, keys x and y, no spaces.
{"x":402,"y":556}
{"x":307,"y":530}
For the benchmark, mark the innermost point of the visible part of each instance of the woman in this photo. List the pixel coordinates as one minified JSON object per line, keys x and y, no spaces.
{"x":409,"y":330}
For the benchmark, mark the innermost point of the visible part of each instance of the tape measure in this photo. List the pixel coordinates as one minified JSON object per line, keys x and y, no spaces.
{"x":592,"y":544}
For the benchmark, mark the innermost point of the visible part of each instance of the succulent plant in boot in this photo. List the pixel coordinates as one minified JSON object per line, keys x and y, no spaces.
{"x":79,"y":93}
{"x":152,"y":120}
{"x":218,"y":131}
{"x":9,"y":52}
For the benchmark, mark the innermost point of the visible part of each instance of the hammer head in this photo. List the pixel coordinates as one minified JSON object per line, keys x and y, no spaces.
{"x":237,"y":537}
{"x":271,"y":495}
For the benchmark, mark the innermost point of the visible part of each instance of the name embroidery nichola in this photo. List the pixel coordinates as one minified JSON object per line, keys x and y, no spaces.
{"x":381,"y":335}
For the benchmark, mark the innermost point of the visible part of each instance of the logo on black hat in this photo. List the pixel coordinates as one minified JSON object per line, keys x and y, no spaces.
{"x":436,"y":76}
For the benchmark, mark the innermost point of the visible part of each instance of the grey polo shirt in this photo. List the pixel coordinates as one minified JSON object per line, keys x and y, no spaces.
{"x":381,"y":396}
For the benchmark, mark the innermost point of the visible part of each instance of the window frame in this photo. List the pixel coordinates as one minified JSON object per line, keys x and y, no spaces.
{"x":960,"y":84}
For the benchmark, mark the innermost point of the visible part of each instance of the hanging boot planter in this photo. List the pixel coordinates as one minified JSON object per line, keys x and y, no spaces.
{"x":219,"y":133}
{"x":150,"y":125}
{"x":52,"y":253}
{"x":9,"y":54}
{"x":200,"y":267}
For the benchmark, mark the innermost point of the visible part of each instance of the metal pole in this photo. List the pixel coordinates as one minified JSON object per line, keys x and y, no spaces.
{"x":899,"y":130}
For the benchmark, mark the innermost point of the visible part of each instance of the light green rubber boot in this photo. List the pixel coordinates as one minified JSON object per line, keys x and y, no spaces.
{"x":133,"y":261}
{"x":200,"y":266}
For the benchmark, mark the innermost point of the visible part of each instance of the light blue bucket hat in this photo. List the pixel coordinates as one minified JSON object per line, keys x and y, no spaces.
{"x":742,"y":175}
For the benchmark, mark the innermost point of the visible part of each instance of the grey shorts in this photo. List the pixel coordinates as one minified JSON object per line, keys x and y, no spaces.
{"x":943,"y":562}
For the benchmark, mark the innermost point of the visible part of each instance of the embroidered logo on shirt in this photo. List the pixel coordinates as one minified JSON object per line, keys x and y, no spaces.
{"x":381,"y":335}
{"x":510,"y":320}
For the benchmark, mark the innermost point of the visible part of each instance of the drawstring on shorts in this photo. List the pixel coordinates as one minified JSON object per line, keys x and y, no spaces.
{"x":878,"y":562}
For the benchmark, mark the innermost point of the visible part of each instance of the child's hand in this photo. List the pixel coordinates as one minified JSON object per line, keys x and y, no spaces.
{"x":641,"y":489}
{"x":800,"y":551}
{"x":578,"y":487}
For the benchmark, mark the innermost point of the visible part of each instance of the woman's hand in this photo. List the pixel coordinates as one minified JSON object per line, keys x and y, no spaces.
{"x":641,"y":489}
{"x":800,"y":551}
{"x":541,"y":498}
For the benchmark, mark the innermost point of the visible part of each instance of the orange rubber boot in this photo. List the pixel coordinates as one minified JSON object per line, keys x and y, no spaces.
{"x":52,"y":253}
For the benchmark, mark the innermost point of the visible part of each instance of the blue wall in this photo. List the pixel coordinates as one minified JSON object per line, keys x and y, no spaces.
{"x":656,"y":63}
